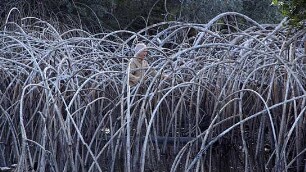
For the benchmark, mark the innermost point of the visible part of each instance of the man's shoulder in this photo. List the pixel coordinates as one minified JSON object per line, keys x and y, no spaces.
{"x":133,"y":60}
{"x":136,"y":60}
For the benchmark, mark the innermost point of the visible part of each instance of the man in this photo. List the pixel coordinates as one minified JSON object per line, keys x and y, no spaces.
{"x":139,"y":66}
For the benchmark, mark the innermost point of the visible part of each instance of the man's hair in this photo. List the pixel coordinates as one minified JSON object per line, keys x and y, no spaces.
{"x":138,"y":48}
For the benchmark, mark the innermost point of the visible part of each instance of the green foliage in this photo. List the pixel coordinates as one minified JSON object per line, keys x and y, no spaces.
{"x":295,"y":10}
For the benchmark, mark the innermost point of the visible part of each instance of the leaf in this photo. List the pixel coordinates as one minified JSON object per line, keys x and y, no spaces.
{"x":274,"y":2}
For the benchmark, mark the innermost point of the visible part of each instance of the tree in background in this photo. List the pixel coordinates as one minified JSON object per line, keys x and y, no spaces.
{"x":295,"y":10}
{"x":261,"y":11}
{"x":96,"y":15}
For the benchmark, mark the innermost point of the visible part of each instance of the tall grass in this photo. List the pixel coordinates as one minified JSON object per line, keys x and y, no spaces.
{"x":234,"y":101}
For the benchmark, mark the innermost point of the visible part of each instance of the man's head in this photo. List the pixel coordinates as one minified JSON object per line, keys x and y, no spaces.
{"x":140,"y":51}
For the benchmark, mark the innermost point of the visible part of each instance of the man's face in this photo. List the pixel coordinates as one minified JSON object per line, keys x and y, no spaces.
{"x":143,"y":54}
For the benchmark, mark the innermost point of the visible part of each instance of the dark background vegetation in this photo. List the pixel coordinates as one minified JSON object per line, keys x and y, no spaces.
{"x":93,"y":15}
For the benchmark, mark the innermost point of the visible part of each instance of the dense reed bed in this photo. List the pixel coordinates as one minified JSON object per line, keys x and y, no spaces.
{"x":234,"y":101}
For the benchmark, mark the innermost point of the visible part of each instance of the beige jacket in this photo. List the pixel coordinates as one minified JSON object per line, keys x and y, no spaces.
{"x":138,"y":69}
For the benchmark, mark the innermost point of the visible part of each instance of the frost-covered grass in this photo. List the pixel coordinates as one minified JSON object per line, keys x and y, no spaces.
{"x":235,"y":96}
